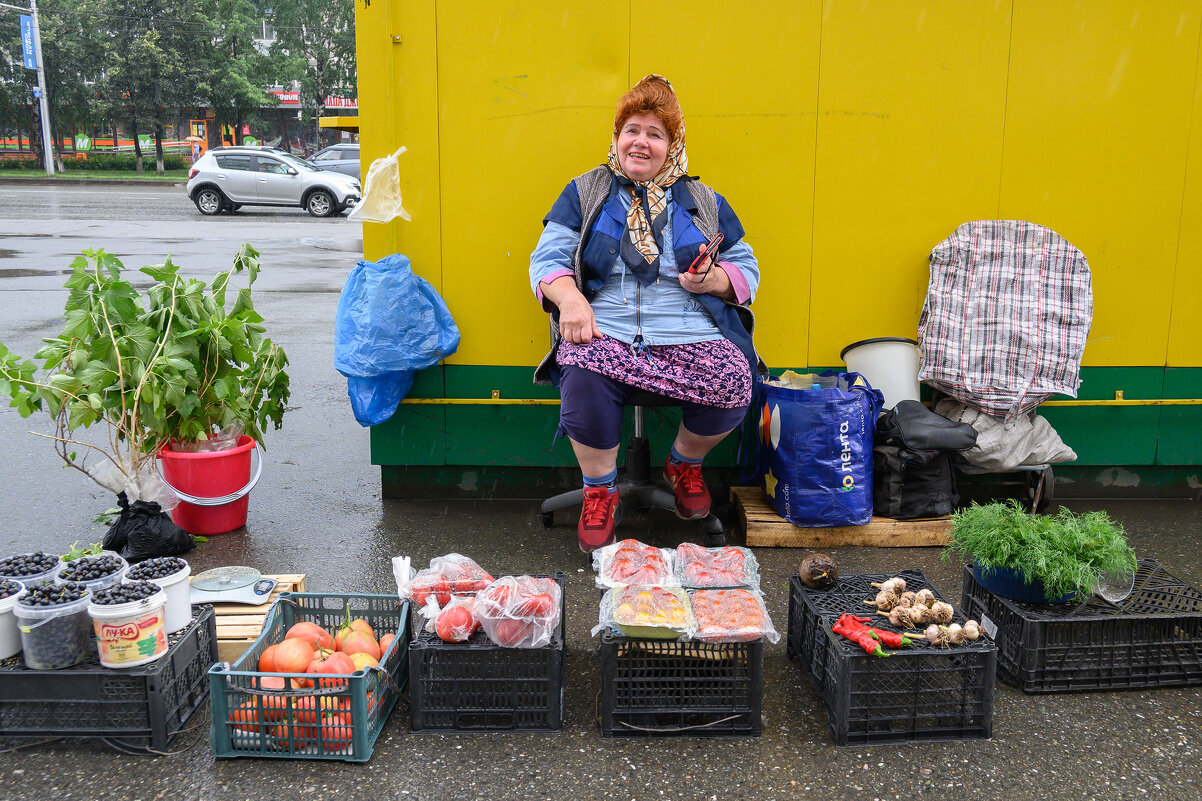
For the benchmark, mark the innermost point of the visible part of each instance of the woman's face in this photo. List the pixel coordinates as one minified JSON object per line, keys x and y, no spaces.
{"x":642,"y":146}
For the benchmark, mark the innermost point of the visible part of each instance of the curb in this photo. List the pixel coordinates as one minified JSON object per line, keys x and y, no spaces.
{"x":10,"y":181}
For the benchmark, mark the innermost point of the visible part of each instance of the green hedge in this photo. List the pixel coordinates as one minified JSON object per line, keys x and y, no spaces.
{"x":102,"y":161}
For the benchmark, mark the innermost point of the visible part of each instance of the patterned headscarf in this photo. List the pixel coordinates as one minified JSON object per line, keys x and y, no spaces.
{"x":646,"y":219}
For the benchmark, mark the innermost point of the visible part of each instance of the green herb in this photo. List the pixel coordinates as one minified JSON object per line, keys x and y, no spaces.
{"x":169,"y":363}
{"x":1068,"y":553}
{"x":106,"y":517}
{"x":76,"y":552}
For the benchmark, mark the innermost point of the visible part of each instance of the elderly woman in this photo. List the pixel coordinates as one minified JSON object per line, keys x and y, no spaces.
{"x":612,"y":268}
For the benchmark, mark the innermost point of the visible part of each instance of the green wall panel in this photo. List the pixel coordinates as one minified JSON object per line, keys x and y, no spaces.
{"x":1110,"y":434}
{"x":1181,"y":426}
{"x":521,"y":436}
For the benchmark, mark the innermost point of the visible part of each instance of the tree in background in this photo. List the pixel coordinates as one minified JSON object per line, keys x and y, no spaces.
{"x":72,"y":52}
{"x":317,"y":39}
{"x":232,"y":70}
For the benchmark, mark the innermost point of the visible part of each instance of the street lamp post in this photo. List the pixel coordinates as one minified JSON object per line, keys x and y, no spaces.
{"x":43,"y":103}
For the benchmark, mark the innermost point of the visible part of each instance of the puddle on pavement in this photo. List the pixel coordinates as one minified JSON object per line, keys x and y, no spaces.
{"x":6,"y":253}
{"x":329,"y":243}
{"x":16,"y":272}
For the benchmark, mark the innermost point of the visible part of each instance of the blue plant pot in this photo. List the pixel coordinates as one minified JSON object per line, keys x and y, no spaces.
{"x":1012,"y":584}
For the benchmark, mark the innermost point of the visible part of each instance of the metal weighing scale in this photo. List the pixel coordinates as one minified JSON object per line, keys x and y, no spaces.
{"x":232,"y":585}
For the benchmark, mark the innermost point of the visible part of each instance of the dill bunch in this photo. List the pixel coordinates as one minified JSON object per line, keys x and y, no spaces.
{"x":1068,"y":553}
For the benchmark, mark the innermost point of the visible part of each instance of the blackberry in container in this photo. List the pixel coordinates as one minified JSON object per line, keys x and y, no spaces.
{"x":56,"y":631}
{"x":171,"y":573}
{"x":30,"y":568}
{"x":11,"y":591}
{"x":98,"y":572}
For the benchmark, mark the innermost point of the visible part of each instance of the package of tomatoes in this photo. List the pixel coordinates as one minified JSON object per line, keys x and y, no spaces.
{"x":644,"y":611}
{"x":453,"y":574}
{"x":632,"y":562}
{"x":706,"y":568}
{"x":455,"y":622}
{"x":520,"y":611}
{"x":731,"y":615}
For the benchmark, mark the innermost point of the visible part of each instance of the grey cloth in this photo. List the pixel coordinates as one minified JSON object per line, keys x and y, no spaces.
{"x":1024,"y":440}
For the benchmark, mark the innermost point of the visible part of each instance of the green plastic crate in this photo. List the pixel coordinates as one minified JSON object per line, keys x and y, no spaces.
{"x":250,"y":720}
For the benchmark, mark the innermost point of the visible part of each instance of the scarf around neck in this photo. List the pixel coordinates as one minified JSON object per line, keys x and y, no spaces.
{"x":646,"y":219}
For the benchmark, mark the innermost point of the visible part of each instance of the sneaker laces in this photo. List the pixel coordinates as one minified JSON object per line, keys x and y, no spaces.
{"x":597,"y":507}
{"x":690,"y":478}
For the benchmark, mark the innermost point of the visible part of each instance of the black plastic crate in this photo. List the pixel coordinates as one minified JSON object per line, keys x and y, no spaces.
{"x":133,"y":709}
{"x":477,"y":686}
{"x":1152,"y":638}
{"x":921,"y":693}
{"x":251,"y":720}
{"x":676,"y":687}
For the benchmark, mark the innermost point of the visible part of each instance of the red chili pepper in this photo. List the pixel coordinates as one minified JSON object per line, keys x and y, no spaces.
{"x":856,"y":632}
{"x":890,"y":638}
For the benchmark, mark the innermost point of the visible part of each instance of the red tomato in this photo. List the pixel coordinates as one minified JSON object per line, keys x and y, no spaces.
{"x":537,"y":606}
{"x":454,"y":624}
{"x":337,"y":663}
{"x":498,"y":594}
{"x":386,"y":641}
{"x":336,"y":731}
{"x":267,"y":660}
{"x":311,"y":633}
{"x":509,"y":633}
{"x":357,"y":642}
{"x":293,"y":656}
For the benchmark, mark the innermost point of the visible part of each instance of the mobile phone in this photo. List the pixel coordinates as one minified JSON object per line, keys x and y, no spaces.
{"x":711,"y":248}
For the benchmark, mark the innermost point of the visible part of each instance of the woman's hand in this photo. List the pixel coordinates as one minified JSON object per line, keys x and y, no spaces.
{"x":710,"y":279}
{"x":576,"y":321}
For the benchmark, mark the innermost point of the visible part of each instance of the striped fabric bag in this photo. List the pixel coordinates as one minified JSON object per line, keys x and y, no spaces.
{"x":1007,"y":312}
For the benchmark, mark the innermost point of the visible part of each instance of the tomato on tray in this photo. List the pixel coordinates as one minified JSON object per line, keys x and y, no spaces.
{"x":731,"y":615}
{"x":632,"y":562}
{"x":650,"y":611}
{"x":728,"y":566}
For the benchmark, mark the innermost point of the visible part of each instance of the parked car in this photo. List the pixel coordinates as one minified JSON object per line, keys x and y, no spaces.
{"x":338,"y":158}
{"x":227,"y":178}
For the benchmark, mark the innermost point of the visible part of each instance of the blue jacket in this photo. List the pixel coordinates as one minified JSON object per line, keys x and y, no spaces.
{"x":603,"y":240}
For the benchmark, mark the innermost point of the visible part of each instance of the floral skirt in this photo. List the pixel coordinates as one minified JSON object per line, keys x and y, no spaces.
{"x":711,"y":373}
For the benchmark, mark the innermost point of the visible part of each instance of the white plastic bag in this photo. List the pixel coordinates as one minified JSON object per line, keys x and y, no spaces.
{"x":520,"y":611}
{"x":381,"y":192}
{"x":144,"y":486}
{"x":632,"y":562}
{"x":452,"y":574}
{"x":447,"y":625}
{"x":727,"y":566}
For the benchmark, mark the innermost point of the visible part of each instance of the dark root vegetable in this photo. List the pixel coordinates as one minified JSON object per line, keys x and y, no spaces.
{"x":818,"y":571}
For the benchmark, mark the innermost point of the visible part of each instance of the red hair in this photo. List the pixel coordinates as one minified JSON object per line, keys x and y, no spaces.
{"x":652,"y":95}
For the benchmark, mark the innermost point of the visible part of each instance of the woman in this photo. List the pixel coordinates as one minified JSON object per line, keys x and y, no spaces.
{"x":612,"y":268}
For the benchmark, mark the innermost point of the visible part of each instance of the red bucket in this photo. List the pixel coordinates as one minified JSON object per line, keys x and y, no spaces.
{"x":205,"y":477}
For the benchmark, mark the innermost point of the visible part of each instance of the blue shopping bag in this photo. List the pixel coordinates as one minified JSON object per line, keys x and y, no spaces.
{"x":815,"y":449}
{"x":390,"y":324}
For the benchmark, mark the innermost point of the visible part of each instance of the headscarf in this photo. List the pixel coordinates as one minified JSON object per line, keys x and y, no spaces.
{"x":648,"y":203}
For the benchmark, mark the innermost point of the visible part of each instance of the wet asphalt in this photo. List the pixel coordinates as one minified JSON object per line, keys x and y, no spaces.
{"x":318,"y":511}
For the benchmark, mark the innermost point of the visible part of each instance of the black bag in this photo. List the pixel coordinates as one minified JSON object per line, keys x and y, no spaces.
{"x":912,"y":426}
{"x":144,"y":531}
{"x":909,"y":488}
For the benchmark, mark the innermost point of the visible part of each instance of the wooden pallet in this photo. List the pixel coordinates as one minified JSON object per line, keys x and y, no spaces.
{"x":238,"y":625}
{"x":764,"y":527}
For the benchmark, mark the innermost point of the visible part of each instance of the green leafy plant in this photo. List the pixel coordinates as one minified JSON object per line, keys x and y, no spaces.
{"x":76,"y":551}
{"x":170,"y":363}
{"x":1068,"y":553}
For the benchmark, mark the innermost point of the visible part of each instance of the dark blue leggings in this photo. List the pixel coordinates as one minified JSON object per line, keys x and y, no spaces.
{"x":590,"y":410}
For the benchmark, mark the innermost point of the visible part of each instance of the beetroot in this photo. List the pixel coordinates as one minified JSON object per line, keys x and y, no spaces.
{"x":818,"y":571}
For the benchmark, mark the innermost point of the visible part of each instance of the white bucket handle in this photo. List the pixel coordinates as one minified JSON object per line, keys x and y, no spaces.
{"x":224,"y":499}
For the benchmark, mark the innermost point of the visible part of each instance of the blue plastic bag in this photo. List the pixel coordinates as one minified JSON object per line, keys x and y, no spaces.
{"x":390,"y":324}
{"x":816,"y":450}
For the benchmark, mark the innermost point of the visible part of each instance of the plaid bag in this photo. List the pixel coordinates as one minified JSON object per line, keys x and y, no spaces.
{"x":1008,"y":307}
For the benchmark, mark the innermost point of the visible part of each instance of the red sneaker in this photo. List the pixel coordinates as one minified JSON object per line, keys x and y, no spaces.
{"x":597,"y":517}
{"x":692,"y":498}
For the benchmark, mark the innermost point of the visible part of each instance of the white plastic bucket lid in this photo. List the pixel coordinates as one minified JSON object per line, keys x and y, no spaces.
{"x":889,"y":364}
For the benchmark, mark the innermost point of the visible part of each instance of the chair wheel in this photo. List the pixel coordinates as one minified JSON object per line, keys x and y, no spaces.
{"x":715,"y":540}
{"x":548,"y":519}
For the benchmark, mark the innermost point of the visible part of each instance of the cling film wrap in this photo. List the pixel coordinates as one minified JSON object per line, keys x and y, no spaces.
{"x":731,"y":615}
{"x":705,"y":568}
{"x":647,"y":611}
{"x":520,"y":611}
{"x":452,"y":574}
{"x":450,"y":628}
{"x":632,"y":562}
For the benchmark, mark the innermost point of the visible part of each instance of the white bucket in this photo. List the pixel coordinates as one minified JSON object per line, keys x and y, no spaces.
{"x":54,"y":637}
{"x":132,"y":634}
{"x":104,"y":582}
{"x":10,"y":636}
{"x":890,"y":364}
{"x":179,"y":598}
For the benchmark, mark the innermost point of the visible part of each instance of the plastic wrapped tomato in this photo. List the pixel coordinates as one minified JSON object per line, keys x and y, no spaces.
{"x":453,"y":574}
{"x":632,"y":562}
{"x":520,"y":611}
{"x":731,"y":615}
{"x":646,"y":611}
{"x":728,"y":566}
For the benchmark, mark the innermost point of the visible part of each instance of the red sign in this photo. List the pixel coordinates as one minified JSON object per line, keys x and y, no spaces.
{"x":292,"y":99}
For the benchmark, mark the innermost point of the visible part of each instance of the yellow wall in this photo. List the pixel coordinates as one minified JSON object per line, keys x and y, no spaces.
{"x":849,"y":136}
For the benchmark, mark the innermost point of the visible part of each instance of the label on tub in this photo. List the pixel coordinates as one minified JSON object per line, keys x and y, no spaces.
{"x":132,"y":640}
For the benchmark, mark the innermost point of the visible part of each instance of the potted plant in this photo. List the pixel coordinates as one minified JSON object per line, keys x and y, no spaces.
{"x":1040,"y":558}
{"x":155,"y":369}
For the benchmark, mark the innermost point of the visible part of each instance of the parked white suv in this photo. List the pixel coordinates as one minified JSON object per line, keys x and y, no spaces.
{"x":227,"y":178}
